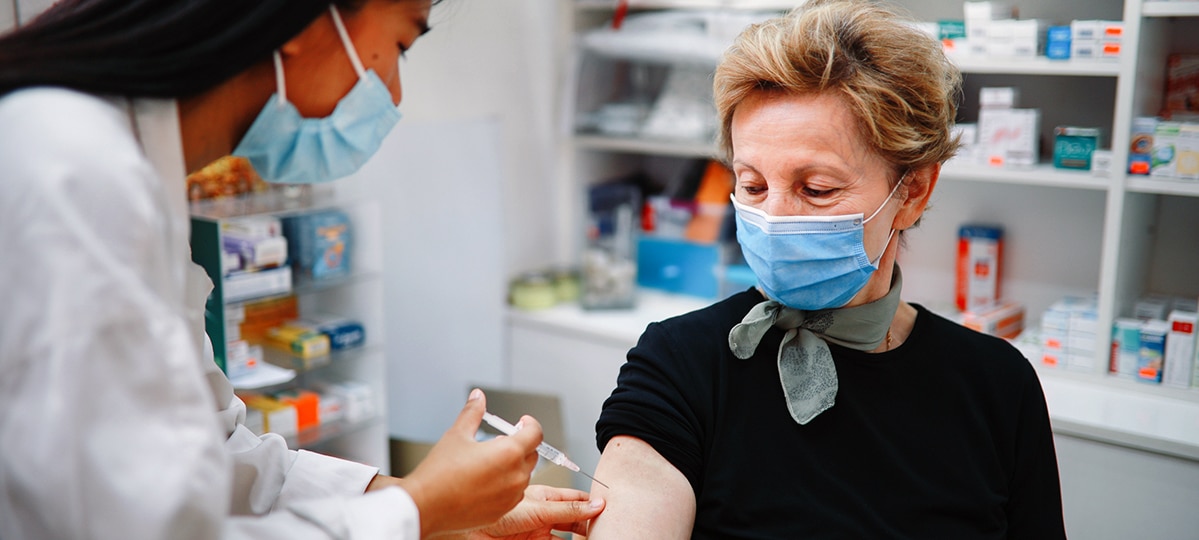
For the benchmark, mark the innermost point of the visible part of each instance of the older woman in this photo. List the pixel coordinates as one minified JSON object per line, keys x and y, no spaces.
{"x":818,"y":404}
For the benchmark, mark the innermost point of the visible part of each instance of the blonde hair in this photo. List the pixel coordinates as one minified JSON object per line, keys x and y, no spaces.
{"x":895,"y":78}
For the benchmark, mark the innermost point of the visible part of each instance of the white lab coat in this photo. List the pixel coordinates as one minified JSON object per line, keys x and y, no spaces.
{"x":107,"y":400}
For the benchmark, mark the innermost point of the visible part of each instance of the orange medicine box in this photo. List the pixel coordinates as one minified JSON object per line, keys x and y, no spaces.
{"x":980,"y":253}
{"x":1005,"y":320}
{"x":307,"y":404}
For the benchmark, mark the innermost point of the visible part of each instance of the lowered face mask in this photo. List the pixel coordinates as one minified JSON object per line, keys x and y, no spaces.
{"x":808,"y":262}
{"x":287,"y":148}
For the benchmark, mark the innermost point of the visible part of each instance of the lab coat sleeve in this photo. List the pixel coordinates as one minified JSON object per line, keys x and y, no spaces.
{"x":334,"y":517}
{"x":268,"y":475}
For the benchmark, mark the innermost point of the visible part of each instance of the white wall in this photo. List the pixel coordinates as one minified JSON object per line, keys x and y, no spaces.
{"x":8,"y":15}
{"x":497,"y":59}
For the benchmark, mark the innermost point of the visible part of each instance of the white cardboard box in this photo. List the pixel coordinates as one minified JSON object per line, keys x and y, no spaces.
{"x":1180,"y":349}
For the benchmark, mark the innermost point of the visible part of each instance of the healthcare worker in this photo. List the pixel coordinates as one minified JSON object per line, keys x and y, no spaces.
{"x":114,"y":420}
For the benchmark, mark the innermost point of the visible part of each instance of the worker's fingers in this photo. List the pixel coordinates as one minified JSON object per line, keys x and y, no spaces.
{"x":573,"y":516}
{"x":472,"y":414}
{"x":528,"y":432}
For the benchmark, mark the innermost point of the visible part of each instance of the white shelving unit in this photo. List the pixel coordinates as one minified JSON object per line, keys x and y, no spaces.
{"x":357,"y":295}
{"x":1069,"y":232}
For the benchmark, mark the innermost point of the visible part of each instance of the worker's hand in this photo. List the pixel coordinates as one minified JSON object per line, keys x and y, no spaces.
{"x":464,"y":484}
{"x":543,"y":509}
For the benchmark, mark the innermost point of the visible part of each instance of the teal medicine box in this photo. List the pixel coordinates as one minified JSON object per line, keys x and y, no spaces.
{"x":1073,"y":146}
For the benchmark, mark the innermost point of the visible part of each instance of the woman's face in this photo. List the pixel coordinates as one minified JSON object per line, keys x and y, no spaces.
{"x":802,"y":155}
{"x":318,"y":68}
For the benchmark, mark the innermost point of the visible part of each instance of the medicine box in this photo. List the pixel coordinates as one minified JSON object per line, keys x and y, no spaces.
{"x":1005,"y":319}
{"x":1153,"y":306}
{"x":1164,"y":154}
{"x":1126,"y":346}
{"x":1182,"y":84}
{"x":306,"y":404}
{"x":1180,"y":349}
{"x":320,"y":244}
{"x":1009,"y":137}
{"x":998,"y":97}
{"x":678,"y":266}
{"x":1141,"y":144}
{"x":298,"y":340}
{"x":980,"y":255}
{"x":1057,"y":42}
{"x":1151,"y":355}
{"x":987,"y":11}
{"x":1073,"y":146}
{"x":343,"y":333}
{"x":277,"y":417}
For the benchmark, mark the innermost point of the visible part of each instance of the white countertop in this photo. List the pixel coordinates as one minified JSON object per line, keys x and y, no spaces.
{"x":1080,"y":404}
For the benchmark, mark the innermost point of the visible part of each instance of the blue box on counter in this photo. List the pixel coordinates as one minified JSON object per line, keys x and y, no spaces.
{"x":678,"y":266}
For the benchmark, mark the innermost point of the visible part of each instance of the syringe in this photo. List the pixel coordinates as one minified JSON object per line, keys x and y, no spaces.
{"x":551,"y":454}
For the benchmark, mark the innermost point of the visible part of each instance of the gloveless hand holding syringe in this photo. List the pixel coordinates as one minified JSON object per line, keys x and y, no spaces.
{"x":551,"y":454}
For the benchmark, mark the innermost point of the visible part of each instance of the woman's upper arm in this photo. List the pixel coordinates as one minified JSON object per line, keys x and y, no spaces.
{"x":647,"y":497}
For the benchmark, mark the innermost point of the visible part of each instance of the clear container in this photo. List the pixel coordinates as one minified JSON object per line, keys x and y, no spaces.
{"x":609,"y":265}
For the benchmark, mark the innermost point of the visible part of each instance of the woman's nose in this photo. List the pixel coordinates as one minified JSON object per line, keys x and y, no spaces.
{"x":782,"y":204}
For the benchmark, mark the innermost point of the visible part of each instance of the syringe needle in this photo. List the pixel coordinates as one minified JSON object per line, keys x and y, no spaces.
{"x":593,"y":479}
{"x":551,"y":454}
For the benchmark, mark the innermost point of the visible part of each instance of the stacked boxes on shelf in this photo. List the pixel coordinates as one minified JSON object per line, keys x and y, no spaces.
{"x":1068,"y":333}
{"x":291,"y":411}
{"x":1096,"y":39}
{"x":1157,"y":344}
{"x":979,"y":274}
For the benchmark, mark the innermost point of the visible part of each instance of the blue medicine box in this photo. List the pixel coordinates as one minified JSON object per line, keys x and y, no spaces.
{"x":320,"y":244}
{"x":1057,"y":42}
{"x":678,"y":266}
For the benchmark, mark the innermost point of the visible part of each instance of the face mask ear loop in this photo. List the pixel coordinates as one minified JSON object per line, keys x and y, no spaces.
{"x":345,"y":41}
{"x":889,"y":195}
{"x":280,"y":85}
{"x":880,"y":209}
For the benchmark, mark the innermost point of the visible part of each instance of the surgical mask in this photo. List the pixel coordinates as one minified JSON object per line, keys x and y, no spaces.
{"x":808,"y":262}
{"x":285,"y":147}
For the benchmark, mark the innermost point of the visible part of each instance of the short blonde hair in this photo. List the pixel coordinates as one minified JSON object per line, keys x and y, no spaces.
{"x":894,"y":77}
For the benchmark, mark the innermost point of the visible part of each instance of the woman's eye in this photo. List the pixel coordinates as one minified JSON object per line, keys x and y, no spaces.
{"x":817,"y":193}
{"x":753,"y":190}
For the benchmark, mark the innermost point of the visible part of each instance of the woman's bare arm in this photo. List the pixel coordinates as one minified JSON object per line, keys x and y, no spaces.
{"x":647,"y":496}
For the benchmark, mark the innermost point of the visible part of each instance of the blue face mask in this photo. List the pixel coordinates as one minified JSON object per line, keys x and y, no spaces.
{"x":285,"y":147}
{"x":807,"y":262}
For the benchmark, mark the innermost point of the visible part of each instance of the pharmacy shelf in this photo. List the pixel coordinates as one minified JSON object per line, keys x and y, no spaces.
{"x":278,"y":201}
{"x":1040,"y":175}
{"x":1177,"y":8}
{"x":1163,"y":186}
{"x":635,"y":145}
{"x":301,"y":364}
{"x":1038,"y":66}
{"x":1122,"y":416}
{"x":326,"y":432}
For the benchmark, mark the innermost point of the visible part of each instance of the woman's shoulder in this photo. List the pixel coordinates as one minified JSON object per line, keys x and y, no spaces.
{"x":969,"y":349}
{"x":66,"y":124}
{"x":60,"y":133}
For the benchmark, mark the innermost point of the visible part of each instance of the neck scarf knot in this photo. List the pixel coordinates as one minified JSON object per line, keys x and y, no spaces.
{"x":806,"y":368}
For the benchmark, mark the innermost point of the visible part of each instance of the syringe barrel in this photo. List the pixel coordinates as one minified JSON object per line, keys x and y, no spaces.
{"x":555,"y":456}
